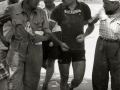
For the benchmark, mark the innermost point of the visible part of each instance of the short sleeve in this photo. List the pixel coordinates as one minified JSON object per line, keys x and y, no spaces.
{"x":87,"y":12}
{"x":55,"y":14}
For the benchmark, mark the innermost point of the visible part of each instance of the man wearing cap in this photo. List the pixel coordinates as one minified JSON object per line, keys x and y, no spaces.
{"x":71,"y":16}
{"x":107,"y":54}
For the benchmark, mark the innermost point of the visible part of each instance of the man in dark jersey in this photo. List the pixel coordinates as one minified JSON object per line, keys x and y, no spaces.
{"x":72,"y":15}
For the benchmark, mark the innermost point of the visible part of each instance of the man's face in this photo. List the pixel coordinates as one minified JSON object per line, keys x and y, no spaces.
{"x":67,"y":2}
{"x":33,"y":3}
{"x":110,"y":6}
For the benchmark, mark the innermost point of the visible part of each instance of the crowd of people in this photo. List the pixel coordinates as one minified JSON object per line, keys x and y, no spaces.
{"x":32,"y":37}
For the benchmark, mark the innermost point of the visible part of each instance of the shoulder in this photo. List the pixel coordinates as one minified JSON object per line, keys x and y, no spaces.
{"x":57,"y":10}
{"x":13,"y":8}
{"x":58,"y":7}
{"x":57,"y":13}
{"x":101,"y":14}
{"x":85,"y":8}
{"x":101,"y":10}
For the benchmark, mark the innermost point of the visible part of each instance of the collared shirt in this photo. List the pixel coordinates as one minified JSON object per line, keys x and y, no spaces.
{"x":37,"y":19}
{"x":3,"y":72}
{"x":109,"y":24}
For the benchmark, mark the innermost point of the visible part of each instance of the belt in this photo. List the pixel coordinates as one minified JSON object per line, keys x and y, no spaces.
{"x":113,"y":41}
{"x":109,"y":40}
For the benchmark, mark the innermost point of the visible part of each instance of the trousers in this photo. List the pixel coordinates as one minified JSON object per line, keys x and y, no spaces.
{"x":25,"y":63}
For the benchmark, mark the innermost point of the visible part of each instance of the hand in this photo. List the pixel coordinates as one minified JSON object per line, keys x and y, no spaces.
{"x":51,"y":44}
{"x":64,"y":47}
{"x":28,"y":28}
{"x":5,"y":42}
{"x":80,"y":38}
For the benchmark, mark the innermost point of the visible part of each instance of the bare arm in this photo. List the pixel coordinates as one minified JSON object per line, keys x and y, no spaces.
{"x":54,"y":38}
{"x":88,"y":31}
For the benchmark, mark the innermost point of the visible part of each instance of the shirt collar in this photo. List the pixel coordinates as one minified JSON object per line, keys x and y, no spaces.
{"x":20,"y":8}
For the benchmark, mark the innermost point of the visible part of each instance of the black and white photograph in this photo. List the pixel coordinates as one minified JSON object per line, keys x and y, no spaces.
{"x":59,"y":44}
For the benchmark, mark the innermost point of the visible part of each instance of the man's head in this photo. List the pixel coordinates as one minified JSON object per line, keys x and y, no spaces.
{"x":49,"y":3}
{"x":32,"y":3}
{"x":110,"y":6}
{"x":68,"y":2}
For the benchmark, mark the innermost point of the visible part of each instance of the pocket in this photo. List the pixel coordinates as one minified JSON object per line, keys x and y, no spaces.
{"x":103,"y":24}
{"x":115,"y":27}
{"x":17,"y":22}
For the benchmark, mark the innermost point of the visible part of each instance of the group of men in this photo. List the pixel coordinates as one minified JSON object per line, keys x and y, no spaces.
{"x":61,"y":30}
